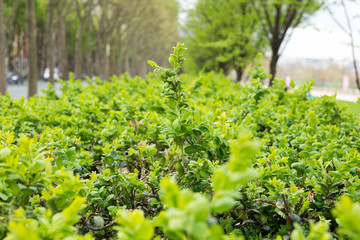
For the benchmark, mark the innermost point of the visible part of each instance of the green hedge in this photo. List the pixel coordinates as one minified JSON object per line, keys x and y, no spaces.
{"x":178,"y":158}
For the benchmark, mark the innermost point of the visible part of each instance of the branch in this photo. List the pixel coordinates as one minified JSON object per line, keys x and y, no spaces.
{"x":335,"y":20}
{"x":290,"y":19}
{"x":276,"y":31}
{"x":352,"y":44}
{"x":263,"y":25}
{"x":267,"y":17}
{"x":65,"y":10}
{"x":347,"y":18}
{"x":297,"y":22}
{"x":78,"y":11}
{"x":103,"y":227}
{"x":287,"y":42}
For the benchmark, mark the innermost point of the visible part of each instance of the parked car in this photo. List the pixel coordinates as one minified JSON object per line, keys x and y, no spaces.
{"x":14,"y":78}
{"x":46,"y":74}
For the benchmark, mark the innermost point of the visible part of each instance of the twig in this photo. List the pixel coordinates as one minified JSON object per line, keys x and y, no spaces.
{"x":103,"y":227}
{"x":335,"y":20}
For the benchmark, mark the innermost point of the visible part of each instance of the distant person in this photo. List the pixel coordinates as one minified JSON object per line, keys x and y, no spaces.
{"x":287,"y":83}
{"x":309,"y":96}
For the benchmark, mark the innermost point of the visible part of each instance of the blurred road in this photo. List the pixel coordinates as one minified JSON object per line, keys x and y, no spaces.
{"x":16,"y":91}
{"x":349,"y":96}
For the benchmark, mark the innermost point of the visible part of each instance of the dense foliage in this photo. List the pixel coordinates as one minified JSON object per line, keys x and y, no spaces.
{"x":169,"y":157}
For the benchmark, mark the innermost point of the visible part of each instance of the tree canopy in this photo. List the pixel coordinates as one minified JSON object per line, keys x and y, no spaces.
{"x":223,"y":35}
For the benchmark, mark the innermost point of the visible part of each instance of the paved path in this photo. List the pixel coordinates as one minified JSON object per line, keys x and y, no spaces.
{"x":16,"y":91}
{"x":350,"y":96}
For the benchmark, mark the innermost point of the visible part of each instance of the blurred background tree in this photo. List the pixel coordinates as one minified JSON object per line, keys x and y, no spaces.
{"x":87,"y":37}
{"x":348,"y":29}
{"x":105,"y":38}
{"x":31,"y":36}
{"x":223,"y":35}
{"x":278,"y":19}
{"x":227,"y":34}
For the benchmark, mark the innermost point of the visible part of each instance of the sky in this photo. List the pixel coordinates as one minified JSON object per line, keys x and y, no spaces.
{"x":319,"y":38}
{"x":322,"y":38}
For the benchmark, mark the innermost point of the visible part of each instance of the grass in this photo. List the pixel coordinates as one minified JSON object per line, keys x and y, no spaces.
{"x":351,"y":106}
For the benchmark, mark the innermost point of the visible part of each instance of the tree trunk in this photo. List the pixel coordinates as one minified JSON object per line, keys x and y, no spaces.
{"x":352,"y":45}
{"x":2,"y":52}
{"x":127,"y":62}
{"x":51,"y":43}
{"x":41,"y":41}
{"x":9,"y":46}
{"x":356,"y":70}
{"x":239,"y":73}
{"x":89,"y":59}
{"x":119,"y":69}
{"x":274,"y":60}
{"x":137,"y":61}
{"x":106,"y":60}
{"x":62,"y":45}
{"x":10,"y":34}
{"x":32,"y":60}
{"x":112,"y":57}
{"x":78,"y":50}
{"x":97,"y":56}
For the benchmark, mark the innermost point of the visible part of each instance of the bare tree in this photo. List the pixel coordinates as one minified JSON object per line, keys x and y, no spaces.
{"x":277,"y":18}
{"x":348,"y":30}
{"x":32,"y":60}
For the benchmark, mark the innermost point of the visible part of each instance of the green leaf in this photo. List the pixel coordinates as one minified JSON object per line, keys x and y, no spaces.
{"x":153,"y":202}
{"x":337,"y":164}
{"x":298,"y":233}
{"x":295,"y":217}
{"x":3,"y":196}
{"x":97,"y":201}
{"x":216,"y":232}
{"x":197,"y":132}
{"x":38,"y":166}
{"x":27,"y":191}
{"x":4,"y":153}
{"x":108,"y":198}
{"x":99,"y":221}
{"x":176,"y":125}
{"x":195,"y":147}
{"x":222,"y":205}
{"x":114,"y":155}
{"x":152,"y":64}
{"x":170,"y":193}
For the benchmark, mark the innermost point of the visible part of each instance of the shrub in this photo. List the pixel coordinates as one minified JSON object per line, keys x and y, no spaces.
{"x":178,"y":157}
